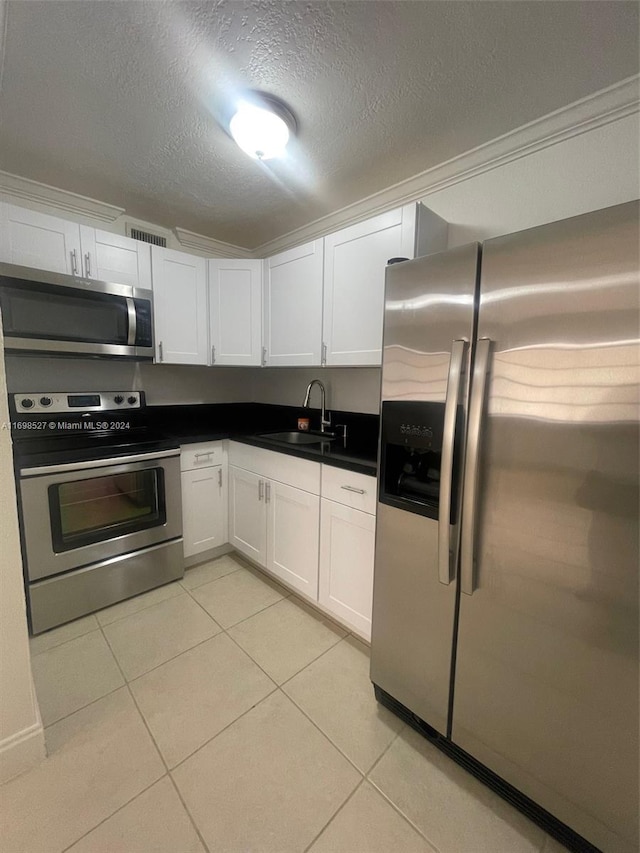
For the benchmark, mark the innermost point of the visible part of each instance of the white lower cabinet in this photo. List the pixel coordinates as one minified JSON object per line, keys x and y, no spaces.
{"x":347,"y":546}
{"x":204,"y":504}
{"x":293,"y":536}
{"x":247,"y":514}
{"x":318,"y":539}
{"x":347,"y":542}
{"x":276,"y":523}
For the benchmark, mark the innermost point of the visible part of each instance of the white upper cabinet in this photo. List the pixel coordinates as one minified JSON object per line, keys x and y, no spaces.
{"x":113,"y":258}
{"x":33,"y":239}
{"x":235,"y":312}
{"x":293,"y":306}
{"x":354,"y":271}
{"x":179,"y":306}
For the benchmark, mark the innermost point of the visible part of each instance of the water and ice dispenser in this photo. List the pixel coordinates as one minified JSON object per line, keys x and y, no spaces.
{"x":411,"y":454}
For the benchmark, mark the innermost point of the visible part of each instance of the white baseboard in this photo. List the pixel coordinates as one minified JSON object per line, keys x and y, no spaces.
{"x":205,"y":556}
{"x":21,"y":751}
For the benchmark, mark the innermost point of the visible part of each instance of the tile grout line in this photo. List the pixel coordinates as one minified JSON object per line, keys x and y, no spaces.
{"x":119,"y":809}
{"x":213,"y":737}
{"x":324,"y":734}
{"x":63,"y":643}
{"x":277,"y":687}
{"x":395,"y":807}
{"x":321,"y":655}
{"x":273,"y":603}
{"x":166,"y":773}
{"x":398,"y":811}
{"x":189,"y":815}
{"x":334,"y":815}
{"x":83,"y":707}
{"x":158,"y":750}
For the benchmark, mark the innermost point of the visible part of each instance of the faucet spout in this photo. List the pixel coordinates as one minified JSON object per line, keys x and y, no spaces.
{"x":324,"y":421}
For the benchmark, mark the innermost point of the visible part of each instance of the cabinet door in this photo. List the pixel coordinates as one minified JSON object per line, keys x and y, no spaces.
{"x":355,"y":260}
{"x":179,"y":306}
{"x":34,"y":239}
{"x":347,"y":541}
{"x":293,"y":535}
{"x":202,"y":510}
{"x":111,"y":257}
{"x":293,"y":306}
{"x":235,"y":311}
{"x":248,"y":514}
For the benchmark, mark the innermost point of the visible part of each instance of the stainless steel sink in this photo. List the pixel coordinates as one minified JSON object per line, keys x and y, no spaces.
{"x":295,"y":437}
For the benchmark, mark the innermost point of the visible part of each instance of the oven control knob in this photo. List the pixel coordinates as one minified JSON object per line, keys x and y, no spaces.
{"x":132,"y":400}
{"x":26,"y":403}
{"x":118,"y":399}
{"x":45,"y":401}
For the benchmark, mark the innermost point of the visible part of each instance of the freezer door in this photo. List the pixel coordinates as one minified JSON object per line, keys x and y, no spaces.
{"x":429,"y":312}
{"x":546,"y":682}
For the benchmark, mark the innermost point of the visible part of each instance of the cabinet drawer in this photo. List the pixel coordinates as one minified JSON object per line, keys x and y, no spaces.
{"x":349,"y":488}
{"x":299,"y":473}
{"x":200,"y":455}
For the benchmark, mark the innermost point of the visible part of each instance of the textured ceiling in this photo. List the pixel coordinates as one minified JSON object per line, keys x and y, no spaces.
{"x":118,"y":100}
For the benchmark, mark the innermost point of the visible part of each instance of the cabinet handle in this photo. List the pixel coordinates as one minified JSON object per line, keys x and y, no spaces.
{"x":213,"y":355}
{"x":87,"y":265}
{"x":268,"y":492}
{"x":264,"y":356}
{"x":353,"y":489}
{"x":324,"y":354}
{"x":208,"y":453}
{"x":219,"y":478}
{"x":74,"y":262}
{"x":260,"y":490}
{"x":160,"y":356}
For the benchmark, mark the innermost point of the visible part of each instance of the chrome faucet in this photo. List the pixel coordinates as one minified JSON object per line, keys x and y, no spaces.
{"x":324,"y":421}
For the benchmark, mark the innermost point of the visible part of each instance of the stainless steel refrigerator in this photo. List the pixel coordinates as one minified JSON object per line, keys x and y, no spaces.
{"x":505,"y":613}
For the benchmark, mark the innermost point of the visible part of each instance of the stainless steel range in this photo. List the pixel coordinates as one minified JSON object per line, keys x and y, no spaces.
{"x":100,"y":502}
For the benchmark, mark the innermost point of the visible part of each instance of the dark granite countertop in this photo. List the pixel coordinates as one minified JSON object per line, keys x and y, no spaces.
{"x":246,"y":422}
{"x":335,"y":453}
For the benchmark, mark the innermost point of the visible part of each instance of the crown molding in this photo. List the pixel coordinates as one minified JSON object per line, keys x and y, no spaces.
{"x":596,"y":110}
{"x":18,"y":187}
{"x":210,"y":246}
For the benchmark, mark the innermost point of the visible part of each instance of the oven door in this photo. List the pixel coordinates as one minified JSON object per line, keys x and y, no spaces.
{"x":80,"y":513}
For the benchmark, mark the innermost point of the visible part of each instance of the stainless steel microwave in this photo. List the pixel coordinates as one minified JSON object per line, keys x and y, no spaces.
{"x":49,"y":313}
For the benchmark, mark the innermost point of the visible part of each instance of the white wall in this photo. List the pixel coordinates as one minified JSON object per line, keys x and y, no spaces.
{"x":21,"y":734}
{"x":350,"y":389}
{"x":163,"y":383}
{"x":596,"y":169}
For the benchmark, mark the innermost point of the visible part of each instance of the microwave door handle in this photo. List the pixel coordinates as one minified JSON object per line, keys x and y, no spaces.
{"x":133,"y":321}
{"x":471,"y":465}
{"x":445,"y":564}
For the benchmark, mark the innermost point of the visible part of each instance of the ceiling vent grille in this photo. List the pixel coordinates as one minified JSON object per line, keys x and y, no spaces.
{"x":146,"y":236}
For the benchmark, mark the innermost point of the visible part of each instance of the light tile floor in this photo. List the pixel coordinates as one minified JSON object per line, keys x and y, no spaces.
{"x":223,"y":714}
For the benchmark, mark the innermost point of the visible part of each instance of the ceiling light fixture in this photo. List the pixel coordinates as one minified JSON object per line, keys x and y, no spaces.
{"x":262,"y":126}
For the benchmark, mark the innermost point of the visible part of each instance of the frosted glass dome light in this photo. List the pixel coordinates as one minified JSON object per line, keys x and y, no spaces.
{"x":260,"y":132}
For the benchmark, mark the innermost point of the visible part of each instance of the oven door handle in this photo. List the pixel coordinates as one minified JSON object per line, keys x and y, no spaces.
{"x":98,"y":463}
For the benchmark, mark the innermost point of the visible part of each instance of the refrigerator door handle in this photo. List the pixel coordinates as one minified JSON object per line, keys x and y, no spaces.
{"x":471,"y":465}
{"x":445,"y":564}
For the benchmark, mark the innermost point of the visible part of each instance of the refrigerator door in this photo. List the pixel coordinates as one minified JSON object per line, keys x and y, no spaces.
{"x":429,"y":311}
{"x":546,"y":682}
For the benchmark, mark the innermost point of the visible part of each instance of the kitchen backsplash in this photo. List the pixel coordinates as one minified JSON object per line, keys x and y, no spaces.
{"x":349,"y":389}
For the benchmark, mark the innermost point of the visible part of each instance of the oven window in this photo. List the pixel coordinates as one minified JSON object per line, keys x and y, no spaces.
{"x":99,"y":508}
